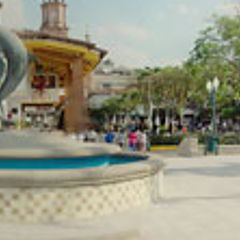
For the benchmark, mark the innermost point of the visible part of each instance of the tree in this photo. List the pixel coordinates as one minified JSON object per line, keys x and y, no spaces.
{"x":217,"y":53}
{"x":112,"y":105}
{"x":124,"y":103}
{"x":129,"y":101}
{"x":145,"y":86}
{"x":171,"y":87}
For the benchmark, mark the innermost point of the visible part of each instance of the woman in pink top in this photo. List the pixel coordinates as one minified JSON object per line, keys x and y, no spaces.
{"x":132,"y":137}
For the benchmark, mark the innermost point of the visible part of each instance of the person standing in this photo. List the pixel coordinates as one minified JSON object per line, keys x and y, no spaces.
{"x":92,"y":136}
{"x":143,"y":142}
{"x":184,"y":130}
{"x":138,"y":141}
{"x":109,"y":138}
{"x":121,"y":138}
{"x":148,"y":141}
{"x":132,"y":137}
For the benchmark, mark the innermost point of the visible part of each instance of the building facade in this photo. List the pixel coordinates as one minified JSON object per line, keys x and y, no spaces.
{"x":109,"y":80}
{"x":58,"y":71}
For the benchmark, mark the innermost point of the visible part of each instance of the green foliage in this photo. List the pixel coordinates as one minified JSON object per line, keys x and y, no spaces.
{"x":97,"y":117}
{"x":129,"y":100}
{"x":201,"y":138}
{"x":229,"y":112}
{"x":233,"y":139}
{"x":124,"y":103}
{"x":112,"y":105}
{"x":217,"y":53}
{"x":145,"y":85}
{"x":171,"y":86}
{"x":166,"y":140}
{"x":163,"y":130}
{"x":168,"y":87}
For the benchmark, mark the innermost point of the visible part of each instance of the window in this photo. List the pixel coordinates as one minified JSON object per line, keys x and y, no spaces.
{"x":106,"y":85}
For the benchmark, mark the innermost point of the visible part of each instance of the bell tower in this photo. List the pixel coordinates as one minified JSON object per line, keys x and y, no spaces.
{"x":54,"y":18}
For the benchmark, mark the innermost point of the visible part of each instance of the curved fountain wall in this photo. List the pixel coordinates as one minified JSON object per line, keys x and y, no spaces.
{"x":53,"y":196}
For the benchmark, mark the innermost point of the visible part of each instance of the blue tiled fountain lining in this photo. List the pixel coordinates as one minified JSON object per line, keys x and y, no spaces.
{"x":67,"y":163}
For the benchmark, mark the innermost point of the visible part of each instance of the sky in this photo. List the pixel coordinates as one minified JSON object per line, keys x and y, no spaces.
{"x":136,"y":33}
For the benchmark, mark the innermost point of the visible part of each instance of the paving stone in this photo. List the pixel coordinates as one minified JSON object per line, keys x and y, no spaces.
{"x":201,"y":201}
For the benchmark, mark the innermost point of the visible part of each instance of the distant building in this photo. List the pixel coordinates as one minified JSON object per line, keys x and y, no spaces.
{"x":109,"y":80}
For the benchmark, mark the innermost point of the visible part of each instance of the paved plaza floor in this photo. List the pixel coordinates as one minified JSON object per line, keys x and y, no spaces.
{"x":201,"y":202}
{"x":41,"y":144}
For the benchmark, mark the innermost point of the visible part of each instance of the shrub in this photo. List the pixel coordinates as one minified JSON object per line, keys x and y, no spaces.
{"x":201,"y":138}
{"x":233,"y":139}
{"x":229,"y":112}
{"x":166,"y":140}
{"x":163,"y":130}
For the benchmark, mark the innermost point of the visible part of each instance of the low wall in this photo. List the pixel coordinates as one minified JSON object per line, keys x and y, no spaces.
{"x":53,"y":196}
{"x":188,"y":147}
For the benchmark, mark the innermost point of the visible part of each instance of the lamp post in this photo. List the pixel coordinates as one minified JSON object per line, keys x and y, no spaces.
{"x":212,"y":87}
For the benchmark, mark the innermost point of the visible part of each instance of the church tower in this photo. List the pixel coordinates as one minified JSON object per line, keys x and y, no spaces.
{"x":54,"y":18}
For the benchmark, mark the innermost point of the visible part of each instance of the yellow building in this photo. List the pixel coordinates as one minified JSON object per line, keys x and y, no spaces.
{"x":59,"y":69}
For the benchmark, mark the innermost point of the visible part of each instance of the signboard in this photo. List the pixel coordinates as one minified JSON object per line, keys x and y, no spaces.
{"x":43,"y":81}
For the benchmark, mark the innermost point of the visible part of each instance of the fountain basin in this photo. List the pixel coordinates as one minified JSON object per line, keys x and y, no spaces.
{"x":63,"y":194}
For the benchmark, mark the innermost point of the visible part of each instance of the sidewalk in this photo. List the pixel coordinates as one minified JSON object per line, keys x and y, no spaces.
{"x":201,"y":202}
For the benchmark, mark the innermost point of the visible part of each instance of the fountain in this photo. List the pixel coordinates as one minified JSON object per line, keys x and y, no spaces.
{"x":36,"y":186}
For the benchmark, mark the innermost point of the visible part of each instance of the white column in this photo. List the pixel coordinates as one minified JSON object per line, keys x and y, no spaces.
{"x":4,"y":109}
{"x":167,"y":118}
{"x":19,"y":117}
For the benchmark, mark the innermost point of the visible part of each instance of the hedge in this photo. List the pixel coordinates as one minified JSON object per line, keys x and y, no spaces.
{"x":227,"y":139}
{"x":166,"y":140}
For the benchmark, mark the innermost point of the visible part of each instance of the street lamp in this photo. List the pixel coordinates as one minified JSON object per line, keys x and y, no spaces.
{"x":212,"y":87}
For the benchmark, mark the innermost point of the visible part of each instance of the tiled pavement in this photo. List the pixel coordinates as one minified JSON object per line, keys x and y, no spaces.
{"x":201,"y":202}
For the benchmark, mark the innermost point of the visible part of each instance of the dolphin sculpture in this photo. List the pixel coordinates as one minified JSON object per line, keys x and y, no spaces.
{"x":13,"y":62}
